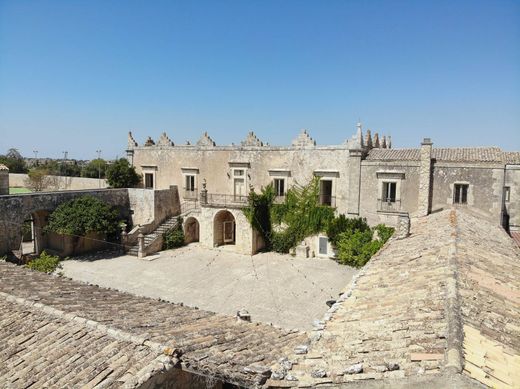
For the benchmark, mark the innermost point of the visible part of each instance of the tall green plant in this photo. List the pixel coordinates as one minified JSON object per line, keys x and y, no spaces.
{"x":258,"y":212}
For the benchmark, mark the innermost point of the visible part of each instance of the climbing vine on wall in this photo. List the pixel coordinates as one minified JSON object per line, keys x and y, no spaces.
{"x":284,"y":225}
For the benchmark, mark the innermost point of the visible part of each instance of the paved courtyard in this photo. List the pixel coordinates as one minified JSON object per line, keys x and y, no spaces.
{"x":274,"y":288}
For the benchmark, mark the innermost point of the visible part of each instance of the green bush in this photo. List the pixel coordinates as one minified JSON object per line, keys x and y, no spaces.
{"x":175,"y":237}
{"x":356,"y":247}
{"x":83,"y":215}
{"x":384,"y":232}
{"x":343,"y":224}
{"x":45,"y":263}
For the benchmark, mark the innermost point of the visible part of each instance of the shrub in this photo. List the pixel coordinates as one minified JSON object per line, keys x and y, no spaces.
{"x":45,"y":263}
{"x":175,"y":237}
{"x":343,"y":224}
{"x":83,"y":215}
{"x":356,"y":247}
{"x":384,"y":232}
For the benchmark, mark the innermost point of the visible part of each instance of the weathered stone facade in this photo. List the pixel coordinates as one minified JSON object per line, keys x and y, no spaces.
{"x":363,"y":176}
{"x":4,"y":180}
{"x":139,"y":206}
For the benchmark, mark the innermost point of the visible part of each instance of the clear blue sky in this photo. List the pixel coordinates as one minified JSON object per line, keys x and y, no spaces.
{"x":77,"y":75}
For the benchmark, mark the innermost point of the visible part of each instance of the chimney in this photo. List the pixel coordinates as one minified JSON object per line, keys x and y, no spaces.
{"x":425,"y":172}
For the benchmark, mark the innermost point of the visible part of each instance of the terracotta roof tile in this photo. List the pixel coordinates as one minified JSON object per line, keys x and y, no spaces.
{"x":211,"y":343}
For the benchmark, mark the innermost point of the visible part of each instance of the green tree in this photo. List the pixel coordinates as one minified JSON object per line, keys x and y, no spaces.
{"x":95,"y":169}
{"x":121,"y":174}
{"x":83,"y":215}
{"x":38,"y":179}
{"x":14,"y":161}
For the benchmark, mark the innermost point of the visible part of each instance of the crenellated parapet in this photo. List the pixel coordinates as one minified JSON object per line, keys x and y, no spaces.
{"x":164,"y":140}
{"x":252,"y":140}
{"x":303,"y":140}
{"x":206,"y":141}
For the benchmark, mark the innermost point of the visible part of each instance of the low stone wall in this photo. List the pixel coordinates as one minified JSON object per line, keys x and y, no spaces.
{"x":18,"y":180}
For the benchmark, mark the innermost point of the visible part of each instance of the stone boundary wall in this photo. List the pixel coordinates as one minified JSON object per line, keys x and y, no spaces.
{"x":63,"y":182}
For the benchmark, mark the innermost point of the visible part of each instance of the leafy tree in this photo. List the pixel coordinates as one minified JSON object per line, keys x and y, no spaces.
{"x":14,"y":161}
{"x":83,"y":215}
{"x":69,"y":169}
{"x":95,"y":169}
{"x":38,"y":180}
{"x":121,"y":174}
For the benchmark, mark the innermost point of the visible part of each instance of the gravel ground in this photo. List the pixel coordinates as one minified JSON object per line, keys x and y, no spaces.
{"x":274,"y":288}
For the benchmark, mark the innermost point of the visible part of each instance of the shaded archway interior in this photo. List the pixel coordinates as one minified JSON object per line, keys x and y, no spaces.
{"x":224,"y":228}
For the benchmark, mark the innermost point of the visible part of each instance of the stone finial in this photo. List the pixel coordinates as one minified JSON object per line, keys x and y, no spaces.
{"x":205,"y":140}
{"x":368,"y":140}
{"x":383,"y":143}
{"x":376,"y":141}
{"x":164,"y":140}
{"x":252,"y":140}
{"x":303,"y":140}
{"x":149,"y":142}
{"x":389,"y":142}
{"x":359,"y":135}
{"x":131,"y":141}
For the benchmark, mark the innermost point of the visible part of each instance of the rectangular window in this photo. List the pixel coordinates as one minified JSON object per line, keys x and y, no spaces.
{"x":507,"y":193}
{"x":190,"y":183}
{"x":389,"y":191}
{"x":460,"y":194}
{"x":326,"y":193}
{"x":148,"y":180}
{"x":279,"y":187}
{"x":238,"y":172}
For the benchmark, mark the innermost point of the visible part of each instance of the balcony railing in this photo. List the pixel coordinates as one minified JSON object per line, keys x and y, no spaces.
{"x":389,"y":205}
{"x":226,"y":200}
{"x":328,"y":200}
{"x":191,"y":194}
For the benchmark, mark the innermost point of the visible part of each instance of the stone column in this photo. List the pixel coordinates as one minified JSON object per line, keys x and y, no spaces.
{"x":4,"y":180}
{"x":140,"y":242}
{"x":354,"y":181}
{"x":423,"y":206}
{"x":204,"y":194}
{"x":403,"y":226}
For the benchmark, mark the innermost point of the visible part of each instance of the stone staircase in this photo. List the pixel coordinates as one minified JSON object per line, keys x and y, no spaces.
{"x":165,"y":226}
{"x":186,"y":208}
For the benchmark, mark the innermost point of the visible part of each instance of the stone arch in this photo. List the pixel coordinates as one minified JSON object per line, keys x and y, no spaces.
{"x":224,"y":228}
{"x":33,"y":239}
{"x":191,"y":230}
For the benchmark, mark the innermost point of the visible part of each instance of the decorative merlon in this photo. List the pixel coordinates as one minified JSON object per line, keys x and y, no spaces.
{"x":131,"y":141}
{"x":376,"y":141}
{"x":303,"y":140}
{"x":389,"y":142}
{"x":164,"y":140}
{"x":252,"y":140}
{"x":368,"y":140}
{"x":383,"y":143}
{"x":206,"y":141}
{"x":149,"y":142}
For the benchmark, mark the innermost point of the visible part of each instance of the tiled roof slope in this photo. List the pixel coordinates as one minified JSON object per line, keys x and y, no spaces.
{"x":208,"y":343}
{"x":43,"y":350}
{"x":512,"y":157}
{"x":468,"y":154}
{"x":405,"y":316}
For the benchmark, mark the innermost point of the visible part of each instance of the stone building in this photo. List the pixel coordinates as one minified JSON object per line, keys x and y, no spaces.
{"x":364,"y":176}
{"x":4,"y":180}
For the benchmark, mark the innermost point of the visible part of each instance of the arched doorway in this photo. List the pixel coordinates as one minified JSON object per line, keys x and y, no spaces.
{"x":224,"y":228}
{"x":34,"y":240}
{"x":191,"y":230}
